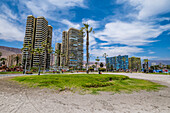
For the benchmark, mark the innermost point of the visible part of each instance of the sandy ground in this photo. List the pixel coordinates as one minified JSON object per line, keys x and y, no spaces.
{"x":18,"y":99}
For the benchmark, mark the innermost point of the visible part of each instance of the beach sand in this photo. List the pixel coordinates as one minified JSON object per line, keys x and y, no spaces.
{"x":15,"y":98}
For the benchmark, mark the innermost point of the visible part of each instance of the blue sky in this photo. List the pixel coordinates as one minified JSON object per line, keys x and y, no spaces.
{"x":133,"y":27}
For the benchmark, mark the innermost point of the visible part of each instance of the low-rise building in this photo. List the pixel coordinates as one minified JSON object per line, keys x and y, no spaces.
{"x":117,"y":62}
{"x":135,"y":64}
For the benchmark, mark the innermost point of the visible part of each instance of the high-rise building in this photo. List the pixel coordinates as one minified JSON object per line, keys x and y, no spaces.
{"x":72,"y":49}
{"x":75,"y":49}
{"x":57,"y":54}
{"x":49,"y":41}
{"x":135,"y":64}
{"x":64,"y":49}
{"x":117,"y":62}
{"x":29,"y":39}
{"x":37,"y":31}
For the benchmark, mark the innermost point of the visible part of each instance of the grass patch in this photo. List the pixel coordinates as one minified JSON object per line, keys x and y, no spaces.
{"x":92,"y":83}
{"x":11,"y":72}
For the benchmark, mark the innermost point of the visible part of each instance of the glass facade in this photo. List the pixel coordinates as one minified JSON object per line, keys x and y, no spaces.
{"x":117,"y":62}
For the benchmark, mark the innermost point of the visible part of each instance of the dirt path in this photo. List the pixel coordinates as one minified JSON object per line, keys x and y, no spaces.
{"x":21,"y":99}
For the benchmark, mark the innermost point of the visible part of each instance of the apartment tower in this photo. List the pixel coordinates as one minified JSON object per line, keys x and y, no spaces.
{"x":64,"y":49}
{"x":29,"y":39}
{"x":37,"y":31}
{"x":72,"y":49}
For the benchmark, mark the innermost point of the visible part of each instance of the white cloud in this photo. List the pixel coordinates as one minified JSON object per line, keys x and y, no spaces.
{"x":52,"y":9}
{"x":151,"y":52}
{"x":10,"y":31}
{"x":70,"y":24}
{"x":67,"y":3}
{"x":131,"y":34}
{"x":153,"y":8}
{"x":114,"y":51}
{"x":148,"y":8}
{"x":37,"y":7}
{"x":92,"y":23}
{"x":7,"y":12}
{"x":148,"y":57}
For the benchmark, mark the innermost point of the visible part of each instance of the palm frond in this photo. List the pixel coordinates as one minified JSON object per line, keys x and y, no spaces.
{"x":90,"y":29}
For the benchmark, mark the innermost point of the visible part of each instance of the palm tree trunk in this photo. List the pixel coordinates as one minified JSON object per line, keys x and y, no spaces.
{"x":87,"y":51}
{"x":25,"y":64}
{"x":30,"y":61}
{"x":106,"y":64}
{"x":45,"y":59}
{"x":39,"y":65}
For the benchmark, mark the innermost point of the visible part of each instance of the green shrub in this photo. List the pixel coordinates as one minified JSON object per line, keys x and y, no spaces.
{"x":29,"y":72}
{"x":102,"y":69}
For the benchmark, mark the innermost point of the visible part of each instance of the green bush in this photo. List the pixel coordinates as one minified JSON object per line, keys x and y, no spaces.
{"x":91,"y":69}
{"x":29,"y":72}
{"x":102,"y":69}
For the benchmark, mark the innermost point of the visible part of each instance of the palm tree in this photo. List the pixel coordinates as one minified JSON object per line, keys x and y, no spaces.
{"x":97,"y":59}
{"x":146,"y":62}
{"x":93,"y":66}
{"x":3,"y":60}
{"x":63,"y":55}
{"x":96,"y":65}
{"x":0,"y":54}
{"x":108,"y":66}
{"x":87,"y":31}
{"x":17,"y":58}
{"x":50,"y":51}
{"x":27,"y":48}
{"x":45,"y":45}
{"x":105,"y":55}
{"x":57,"y":53}
{"x":39,"y":52}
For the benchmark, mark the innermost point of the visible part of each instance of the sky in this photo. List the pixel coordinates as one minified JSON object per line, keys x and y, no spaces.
{"x":138,"y":28}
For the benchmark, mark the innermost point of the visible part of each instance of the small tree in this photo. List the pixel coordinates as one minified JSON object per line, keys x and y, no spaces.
{"x":46,"y":46}
{"x":50,"y":51}
{"x":57,"y":53}
{"x":146,"y":62}
{"x":105,"y":56}
{"x":101,"y":64}
{"x":17,"y":58}
{"x":3,"y":60}
{"x":111,"y":67}
{"x":93,"y":66}
{"x":27,"y":48}
{"x":63,"y":55}
{"x":97,"y":59}
{"x":39,"y":52}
